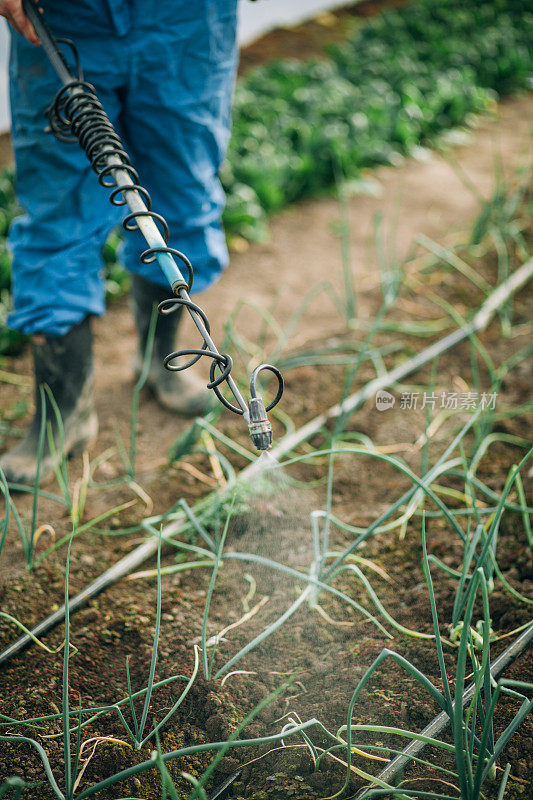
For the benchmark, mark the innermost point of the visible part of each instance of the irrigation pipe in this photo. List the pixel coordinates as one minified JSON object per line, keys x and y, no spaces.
{"x":289,"y":442}
{"x":431,"y":730}
{"x":440,"y":721}
{"x":479,"y":322}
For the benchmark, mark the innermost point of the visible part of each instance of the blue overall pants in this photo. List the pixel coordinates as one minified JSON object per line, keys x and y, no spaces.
{"x":164,"y":72}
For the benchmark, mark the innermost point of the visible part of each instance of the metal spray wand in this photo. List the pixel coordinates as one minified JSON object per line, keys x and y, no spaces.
{"x":76,"y":114}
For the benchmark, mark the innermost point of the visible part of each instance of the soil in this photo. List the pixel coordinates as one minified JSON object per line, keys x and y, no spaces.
{"x":309,"y":39}
{"x":322,"y":651}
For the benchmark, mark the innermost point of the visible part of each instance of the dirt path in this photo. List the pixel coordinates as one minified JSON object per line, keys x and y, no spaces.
{"x":418,"y":197}
{"x":426,"y":197}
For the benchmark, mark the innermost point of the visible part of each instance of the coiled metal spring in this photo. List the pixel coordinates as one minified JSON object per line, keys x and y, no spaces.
{"x":76,"y":114}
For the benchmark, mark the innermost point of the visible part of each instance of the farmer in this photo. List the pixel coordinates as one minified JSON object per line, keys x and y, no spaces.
{"x":164,"y":71}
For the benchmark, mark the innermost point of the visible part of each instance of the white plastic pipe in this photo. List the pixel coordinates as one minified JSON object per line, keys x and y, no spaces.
{"x":142,"y":553}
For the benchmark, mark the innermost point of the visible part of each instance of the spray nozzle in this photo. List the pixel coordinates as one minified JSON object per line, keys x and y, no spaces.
{"x":258,"y":422}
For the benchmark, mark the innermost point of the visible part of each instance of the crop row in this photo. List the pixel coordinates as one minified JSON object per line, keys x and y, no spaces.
{"x":399,"y":80}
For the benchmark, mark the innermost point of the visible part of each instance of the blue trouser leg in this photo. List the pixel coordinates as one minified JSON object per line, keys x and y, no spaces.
{"x":176,"y":121}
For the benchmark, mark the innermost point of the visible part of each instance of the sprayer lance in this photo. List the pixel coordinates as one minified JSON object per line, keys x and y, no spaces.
{"x":76,"y":114}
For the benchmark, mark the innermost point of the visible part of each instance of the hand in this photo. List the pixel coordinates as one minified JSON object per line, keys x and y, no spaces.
{"x":13,"y":12}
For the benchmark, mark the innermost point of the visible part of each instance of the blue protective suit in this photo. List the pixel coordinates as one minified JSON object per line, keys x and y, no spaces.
{"x":164,"y":72}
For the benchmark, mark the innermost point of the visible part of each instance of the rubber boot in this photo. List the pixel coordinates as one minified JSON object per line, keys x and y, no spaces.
{"x":181,"y":392}
{"x":65,"y":365}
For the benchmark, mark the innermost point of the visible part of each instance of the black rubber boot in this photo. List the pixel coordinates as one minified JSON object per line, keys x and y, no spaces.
{"x":65,"y":365}
{"x":181,"y":392}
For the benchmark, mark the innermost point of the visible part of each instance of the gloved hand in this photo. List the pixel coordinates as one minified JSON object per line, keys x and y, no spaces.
{"x":12,"y":10}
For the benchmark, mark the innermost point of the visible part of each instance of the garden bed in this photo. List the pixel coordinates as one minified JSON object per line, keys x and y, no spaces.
{"x":324,"y":652}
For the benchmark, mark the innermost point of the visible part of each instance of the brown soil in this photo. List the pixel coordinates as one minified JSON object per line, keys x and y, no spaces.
{"x":310,"y":38}
{"x":324,"y":655}
{"x":6,"y":151}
